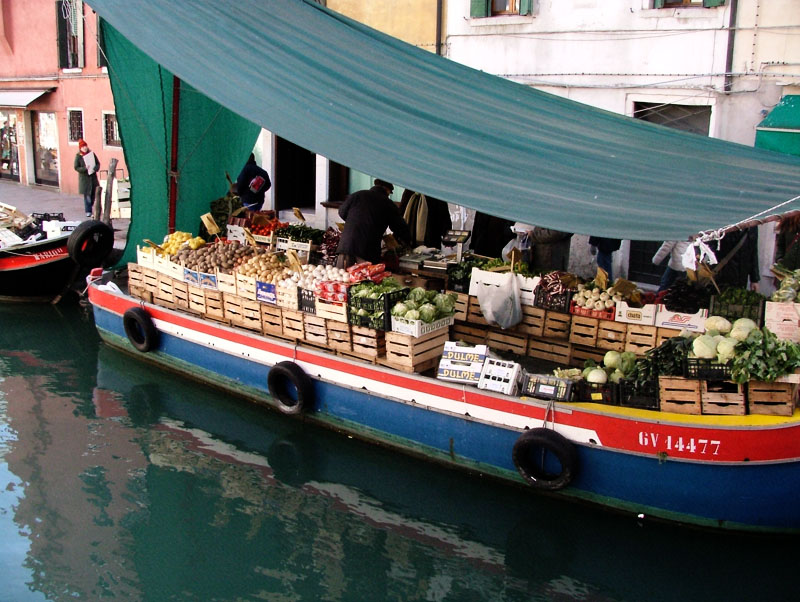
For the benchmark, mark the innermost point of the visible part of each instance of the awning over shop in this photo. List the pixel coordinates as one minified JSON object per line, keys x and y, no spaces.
{"x":391,"y":110}
{"x":19,"y":99}
{"x":780,"y":130}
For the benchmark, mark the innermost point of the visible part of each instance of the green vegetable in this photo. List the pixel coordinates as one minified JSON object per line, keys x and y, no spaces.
{"x":612,"y":359}
{"x":597,"y":376}
{"x":399,"y":309}
{"x":412,"y":314}
{"x":741,"y":328}
{"x":427,"y":313}
{"x":418,"y":294}
{"x":705,"y":347}
{"x":718,"y":323}
{"x":762,"y":356}
{"x":627,"y":362}
{"x":725,"y":350}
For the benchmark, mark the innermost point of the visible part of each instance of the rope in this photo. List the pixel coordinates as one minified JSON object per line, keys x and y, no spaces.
{"x":551,"y":412}
{"x":754,"y":220}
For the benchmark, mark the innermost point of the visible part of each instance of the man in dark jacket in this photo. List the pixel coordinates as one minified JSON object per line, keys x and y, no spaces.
{"x":366,"y":215}
{"x":739,"y":252}
{"x":252,"y":184}
{"x":437,"y":223}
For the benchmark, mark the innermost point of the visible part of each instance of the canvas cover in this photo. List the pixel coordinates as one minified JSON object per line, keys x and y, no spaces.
{"x":386,"y":108}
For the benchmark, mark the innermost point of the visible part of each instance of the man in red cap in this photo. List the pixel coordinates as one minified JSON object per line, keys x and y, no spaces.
{"x":86,"y":164}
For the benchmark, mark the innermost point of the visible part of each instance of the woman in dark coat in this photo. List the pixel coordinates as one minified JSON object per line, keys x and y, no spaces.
{"x":787,"y":242}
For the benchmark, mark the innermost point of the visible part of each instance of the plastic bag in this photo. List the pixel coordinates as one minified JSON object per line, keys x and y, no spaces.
{"x":500,"y":304}
{"x":521,"y":242}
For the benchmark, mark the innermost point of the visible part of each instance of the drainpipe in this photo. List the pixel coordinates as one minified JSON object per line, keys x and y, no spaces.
{"x":731,"y":35}
{"x":439,"y":27}
{"x":173,"y":164}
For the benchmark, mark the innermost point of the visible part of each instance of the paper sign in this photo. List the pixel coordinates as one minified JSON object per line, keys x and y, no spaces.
{"x":210,"y":224}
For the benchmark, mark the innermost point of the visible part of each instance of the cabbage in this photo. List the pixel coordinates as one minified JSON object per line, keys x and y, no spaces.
{"x":446,"y":304}
{"x":400,"y":309}
{"x":417,"y":294}
{"x":705,"y":347}
{"x":718,"y":323}
{"x":430,"y":295}
{"x":612,"y":359}
{"x":741,"y":328}
{"x":725,"y":350}
{"x":427,"y":313}
{"x":627,"y":362}
{"x":411,"y":304}
{"x":412,"y":314}
{"x":616,"y":375}
{"x":597,"y":375}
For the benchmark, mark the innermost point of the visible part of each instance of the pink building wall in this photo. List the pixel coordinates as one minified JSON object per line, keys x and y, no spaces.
{"x":29,"y":59}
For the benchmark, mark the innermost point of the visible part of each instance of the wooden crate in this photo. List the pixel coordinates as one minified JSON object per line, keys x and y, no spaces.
{"x":556,"y":325}
{"x":226,"y":283}
{"x":331,"y":311}
{"x":135,"y":274}
{"x":271,"y":319}
{"x":197,"y":299}
{"x":722,"y":397}
{"x":246,"y":286}
{"x":462,"y":306}
{"x":180,"y":292}
{"x":533,"y":319}
{"x":316,"y":331}
{"x":414,"y":354}
{"x":163,"y":294}
{"x":293,"y":325}
{"x":662,"y":334}
{"x":474,"y":335}
{"x":474,"y":313}
{"x":140,"y":293}
{"x":580,"y":354}
{"x":640,"y":338}
{"x":553,"y":350}
{"x":150,"y":280}
{"x":773,"y":399}
{"x":286,"y":297}
{"x":508,"y":341}
{"x":215,"y":309}
{"x":679,"y":395}
{"x":583,"y":331}
{"x":611,"y":335}
{"x":339,"y":337}
{"x":242,"y":312}
{"x":367,"y":342}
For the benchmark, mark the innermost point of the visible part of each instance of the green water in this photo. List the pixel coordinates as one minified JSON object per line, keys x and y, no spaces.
{"x":122,"y":482}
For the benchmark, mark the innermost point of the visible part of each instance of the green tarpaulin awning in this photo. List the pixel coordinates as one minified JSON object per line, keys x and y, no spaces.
{"x":780,"y":130}
{"x":386,"y":108}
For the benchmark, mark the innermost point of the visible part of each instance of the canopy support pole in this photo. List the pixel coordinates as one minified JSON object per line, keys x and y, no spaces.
{"x":173,"y":164}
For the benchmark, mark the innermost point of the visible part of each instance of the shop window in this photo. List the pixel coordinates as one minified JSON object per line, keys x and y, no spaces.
{"x":69,"y":19}
{"x":674,"y":3}
{"x":493,"y":8}
{"x":75,"y":124}
{"x":111,"y":130}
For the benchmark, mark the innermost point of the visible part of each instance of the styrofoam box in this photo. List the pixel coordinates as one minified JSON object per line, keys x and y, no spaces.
{"x":527,"y":286}
{"x":679,"y":321}
{"x":500,"y":375}
{"x":416,"y":328}
{"x":783,"y":319}
{"x":55,"y":228}
{"x":145,"y":256}
{"x":453,"y":350}
{"x":645,"y":315}
{"x":460,"y":372}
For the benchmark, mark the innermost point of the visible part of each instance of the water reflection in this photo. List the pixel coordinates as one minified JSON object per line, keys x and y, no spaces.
{"x":122,"y":481}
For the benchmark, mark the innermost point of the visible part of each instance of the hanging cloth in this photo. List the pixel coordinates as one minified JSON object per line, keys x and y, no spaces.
{"x":416,"y":216}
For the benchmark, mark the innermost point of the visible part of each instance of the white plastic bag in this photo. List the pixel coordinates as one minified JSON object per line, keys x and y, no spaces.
{"x":500,"y":304}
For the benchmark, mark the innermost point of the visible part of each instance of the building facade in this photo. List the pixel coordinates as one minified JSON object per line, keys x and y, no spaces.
{"x":54,"y":91}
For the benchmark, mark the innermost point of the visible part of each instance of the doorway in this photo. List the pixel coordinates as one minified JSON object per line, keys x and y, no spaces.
{"x":9,"y":153}
{"x":295,"y":176}
{"x":45,"y":148}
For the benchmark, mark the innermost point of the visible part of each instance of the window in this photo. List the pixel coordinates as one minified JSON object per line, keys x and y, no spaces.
{"x":102,"y":60}
{"x":111,"y":130}
{"x":674,"y":3}
{"x":69,"y":19}
{"x":490,"y":8}
{"x":75,"y":124}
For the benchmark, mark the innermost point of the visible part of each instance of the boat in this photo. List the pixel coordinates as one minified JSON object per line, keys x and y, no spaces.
{"x":42,"y":266}
{"x":428,"y":124}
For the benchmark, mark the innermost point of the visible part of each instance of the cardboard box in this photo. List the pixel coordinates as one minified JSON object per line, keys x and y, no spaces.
{"x":527,"y":286}
{"x":784,"y":320}
{"x":645,"y":315}
{"x":462,"y":363}
{"x":679,"y":321}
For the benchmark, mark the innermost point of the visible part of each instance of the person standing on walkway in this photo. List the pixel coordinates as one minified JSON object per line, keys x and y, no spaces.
{"x":86,"y":164}
{"x":604,"y":247}
{"x":252,"y":184}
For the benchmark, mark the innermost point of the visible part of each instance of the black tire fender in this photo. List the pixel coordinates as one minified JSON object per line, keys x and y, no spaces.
{"x":282,"y":378}
{"x":530,"y":455}
{"x":141,"y":331}
{"x":90,"y":243}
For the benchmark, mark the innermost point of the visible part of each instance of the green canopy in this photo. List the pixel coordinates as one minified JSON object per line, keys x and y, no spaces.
{"x":386,"y":108}
{"x":780,"y":130}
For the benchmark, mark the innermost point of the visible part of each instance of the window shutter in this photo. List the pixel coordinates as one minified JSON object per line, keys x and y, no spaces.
{"x":525,"y":7}
{"x":101,"y":43}
{"x":61,"y":25}
{"x":479,"y":8}
{"x":658,"y":3}
{"x":712,"y":3}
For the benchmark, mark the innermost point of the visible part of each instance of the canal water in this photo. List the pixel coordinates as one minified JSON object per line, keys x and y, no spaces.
{"x":119,"y":481}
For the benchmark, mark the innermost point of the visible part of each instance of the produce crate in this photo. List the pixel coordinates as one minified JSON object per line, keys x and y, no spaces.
{"x":150,"y":280}
{"x":559,"y":302}
{"x":732,"y":312}
{"x":638,"y":394}
{"x":414,"y":354}
{"x":180,"y":292}
{"x":368,"y":321}
{"x":462,"y":363}
{"x":417,"y":328}
{"x":306,"y":301}
{"x":207,"y":280}
{"x":385,"y":302}
{"x":474,"y":313}
{"x":598,"y":393}
{"x":215,"y":310}
{"x":605,"y":314}
{"x":163,"y":295}
{"x":527,"y":289}
{"x":722,"y":397}
{"x":271,"y":319}
{"x":679,"y":321}
{"x":532,"y":323}
{"x":508,"y":341}
{"x":286,"y":297}
{"x":773,"y":399}
{"x":611,"y":336}
{"x":784,"y":320}
{"x":583,"y":330}
{"x":338,"y":335}
{"x":145,"y":256}
{"x":580,"y":354}
{"x":474,"y":335}
{"x":331,"y":310}
{"x":645,"y":315}
{"x":251,"y":315}
{"x":462,"y":305}
{"x":226,"y":282}
{"x":197,"y":299}
{"x":552,"y":350}
{"x":293,"y":325}
{"x":556,"y":325}
{"x":246,"y":286}
{"x":662,"y":334}
{"x":705,"y":369}
{"x":368,"y":342}
{"x":639,"y":338}
{"x":315,"y":329}
{"x":679,"y":395}
{"x":500,"y":375}
{"x":545,"y":386}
